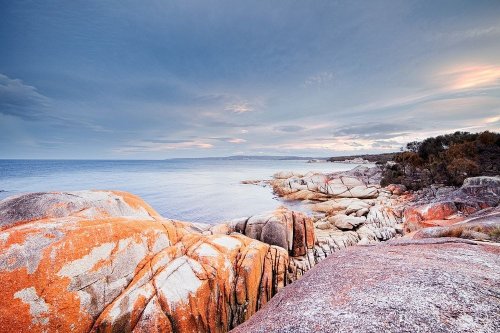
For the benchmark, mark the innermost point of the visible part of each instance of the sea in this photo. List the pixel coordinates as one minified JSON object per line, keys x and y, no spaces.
{"x":196,"y":190}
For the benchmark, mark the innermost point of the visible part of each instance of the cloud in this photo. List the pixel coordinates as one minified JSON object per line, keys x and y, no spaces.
{"x":229,"y":139}
{"x":242,"y":107}
{"x":473,"y":77}
{"x":355,"y":144}
{"x":387,"y":144}
{"x":215,"y":120}
{"x":289,"y":128}
{"x":21,"y":100}
{"x":459,"y":36}
{"x":374,"y":130}
{"x":236,"y":140}
{"x":162,"y":145}
{"x":318,"y":79}
{"x":167,"y":141}
{"x":492,"y":120}
{"x":336,"y":82}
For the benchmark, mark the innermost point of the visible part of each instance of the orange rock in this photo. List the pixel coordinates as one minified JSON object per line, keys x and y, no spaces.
{"x":106,"y":262}
{"x":415,"y":217}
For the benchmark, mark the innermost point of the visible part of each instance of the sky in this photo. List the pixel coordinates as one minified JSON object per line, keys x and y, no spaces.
{"x":151,"y":79}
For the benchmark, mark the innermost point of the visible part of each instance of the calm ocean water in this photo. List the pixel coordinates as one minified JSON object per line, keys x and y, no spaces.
{"x":198,"y":190}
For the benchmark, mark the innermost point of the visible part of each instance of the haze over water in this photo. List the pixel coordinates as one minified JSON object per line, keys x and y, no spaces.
{"x":198,"y":190}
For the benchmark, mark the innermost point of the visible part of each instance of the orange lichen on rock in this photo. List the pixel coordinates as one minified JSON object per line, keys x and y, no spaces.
{"x":108,"y":262}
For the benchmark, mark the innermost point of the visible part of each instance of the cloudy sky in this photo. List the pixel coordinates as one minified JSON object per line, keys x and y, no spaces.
{"x":122,"y":79}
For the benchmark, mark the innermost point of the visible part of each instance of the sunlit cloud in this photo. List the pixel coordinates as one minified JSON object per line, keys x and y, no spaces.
{"x":237,"y":140}
{"x":492,"y":120}
{"x":474,"y":76}
{"x":329,"y":84}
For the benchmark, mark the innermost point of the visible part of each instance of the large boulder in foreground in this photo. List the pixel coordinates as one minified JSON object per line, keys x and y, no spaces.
{"x":103,"y":261}
{"x":443,"y":285}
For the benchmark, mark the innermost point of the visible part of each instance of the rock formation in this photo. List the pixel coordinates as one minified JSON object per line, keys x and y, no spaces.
{"x":443,"y":285}
{"x":352,"y":206}
{"x":447,"y":205}
{"x":320,"y":186}
{"x":354,"y":201}
{"x":305,"y":242}
{"x":484,"y":226}
{"x":106,"y":261}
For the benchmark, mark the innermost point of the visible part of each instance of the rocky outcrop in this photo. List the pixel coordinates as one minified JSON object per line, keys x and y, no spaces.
{"x":352,"y":208}
{"x":104,"y":261}
{"x":357,"y":183}
{"x":482,"y":226}
{"x":310,"y":242}
{"x":290,"y":230}
{"x":447,"y":205}
{"x":31,"y":207}
{"x":443,"y":285}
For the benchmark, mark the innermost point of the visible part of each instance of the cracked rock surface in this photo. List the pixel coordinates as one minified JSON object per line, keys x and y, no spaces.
{"x":102,"y":261}
{"x":432,"y":285}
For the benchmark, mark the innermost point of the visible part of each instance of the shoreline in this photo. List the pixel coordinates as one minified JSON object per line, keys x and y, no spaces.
{"x":193,"y":191}
{"x":134,"y":252}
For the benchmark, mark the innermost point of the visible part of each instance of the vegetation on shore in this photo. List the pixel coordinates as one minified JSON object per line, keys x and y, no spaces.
{"x":445,"y":159}
{"x":374,"y":158}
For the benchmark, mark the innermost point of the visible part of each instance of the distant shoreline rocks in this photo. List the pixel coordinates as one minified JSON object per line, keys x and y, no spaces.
{"x":356,"y":160}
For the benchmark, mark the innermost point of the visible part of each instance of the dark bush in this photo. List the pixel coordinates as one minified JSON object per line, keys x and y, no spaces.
{"x":445,"y":159}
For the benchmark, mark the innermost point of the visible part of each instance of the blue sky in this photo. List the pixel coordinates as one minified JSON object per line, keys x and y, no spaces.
{"x":159,"y":79}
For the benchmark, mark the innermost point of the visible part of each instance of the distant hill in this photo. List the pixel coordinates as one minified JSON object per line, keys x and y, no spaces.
{"x":374,"y":158}
{"x":251,"y":157}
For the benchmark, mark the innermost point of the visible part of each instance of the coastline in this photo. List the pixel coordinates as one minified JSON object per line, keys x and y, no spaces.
{"x":207,"y":191}
{"x":251,"y":259}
